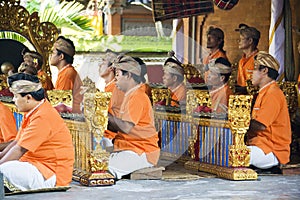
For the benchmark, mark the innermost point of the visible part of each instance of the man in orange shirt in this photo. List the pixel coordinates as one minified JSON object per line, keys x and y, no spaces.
{"x":8,"y":129}
{"x":136,"y":142}
{"x":107,"y":72}
{"x":249,"y":38}
{"x":215,"y":44}
{"x":218,"y":76}
{"x":32,"y":58}
{"x":42,"y":155}
{"x":269,"y":134}
{"x":173,"y":79}
{"x":68,"y":79}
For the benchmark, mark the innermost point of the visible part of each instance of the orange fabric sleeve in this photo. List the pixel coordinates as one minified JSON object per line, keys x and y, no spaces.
{"x":8,"y":129}
{"x":245,"y":70}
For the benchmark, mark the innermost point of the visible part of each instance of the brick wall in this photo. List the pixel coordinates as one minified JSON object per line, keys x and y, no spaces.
{"x":253,"y":13}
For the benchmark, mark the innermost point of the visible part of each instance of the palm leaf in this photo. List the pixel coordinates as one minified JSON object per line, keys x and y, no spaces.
{"x":66,"y":14}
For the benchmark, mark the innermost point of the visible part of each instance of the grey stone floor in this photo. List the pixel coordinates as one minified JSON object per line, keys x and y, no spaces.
{"x":266,"y":187}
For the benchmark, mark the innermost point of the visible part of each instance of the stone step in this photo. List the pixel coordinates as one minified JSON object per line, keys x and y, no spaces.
{"x":150,"y":173}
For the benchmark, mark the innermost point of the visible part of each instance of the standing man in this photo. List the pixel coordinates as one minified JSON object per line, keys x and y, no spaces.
{"x":34,"y":59}
{"x":42,"y":155}
{"x":249,"y":38}
{"x":173,"y":79}
{"x":68,"y":79}
{"x":269,"y":134}
{"x":136,"y":142}
{"x":215,"y":44}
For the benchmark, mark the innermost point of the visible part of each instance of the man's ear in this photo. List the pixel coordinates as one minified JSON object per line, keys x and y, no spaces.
{"x":174,"y":78}
{"x":222,"y":78}
{"x":28,"y":97}
{"x":61,"y":56}
{"x":265,"y":70}
{"x":251,"y":40}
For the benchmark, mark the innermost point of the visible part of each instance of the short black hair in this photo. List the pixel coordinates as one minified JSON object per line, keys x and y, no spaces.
{"x":223,"y":61}
{"x":68,"y":58}
{"x":272,"y":73}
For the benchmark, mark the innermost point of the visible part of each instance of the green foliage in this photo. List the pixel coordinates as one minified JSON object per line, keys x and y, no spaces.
{"x":67,"y":17}
{"x":64,"y":14}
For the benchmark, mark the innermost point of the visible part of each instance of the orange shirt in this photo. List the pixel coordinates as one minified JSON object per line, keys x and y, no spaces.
{"x":142,"y":138}
{"x":45,"y":80}
{"x":214,"y":55}
{"x":109,"y":87}
{"x":49,"y":143}
{"x":271,"y":109}
{"x":69,"y":79}
{"x":8,"y":129}
{"x":147,"y":89}
{"x":245,"y":69}
{"x":114,"y":104}
{"x":178,"y":94}
{"x":219,"y":98}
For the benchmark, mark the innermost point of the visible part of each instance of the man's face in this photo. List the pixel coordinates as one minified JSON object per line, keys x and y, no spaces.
{"x":257,"y":75}
{"x":54,"y":57}
{"x":298,"y":47}
{"x":121,"y":80}
{"x":244,"y":42}
{"x":168,"y":79}
{"x":21,"y":102}
{"x":212,"y":41}
{"x":28,"y":60}
{"x":104,"y":68}
{"x":213,"y":79}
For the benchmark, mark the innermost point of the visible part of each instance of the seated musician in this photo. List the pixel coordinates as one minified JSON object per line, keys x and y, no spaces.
{"x":217,"y":79}
{"x":269,"y":135}
{"x":34,"y":59}
{"x":107,"y":72}
{"x":173,"y":79}
{"x":42,"y":155}
{"x":68,"y":78}
{"x":8,"y":129}
{"x":136,"y":142}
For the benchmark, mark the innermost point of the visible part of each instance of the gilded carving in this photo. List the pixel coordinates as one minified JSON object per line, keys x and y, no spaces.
{"x":290,"y":90}
{"x":60,"y":96}
{"x":96,"y":111}
{"x":239,"y":117}
{"x":190,"y":71}
{"x":161,"y":94}
{"x":41,"y":35}
{"x":197,"y":98}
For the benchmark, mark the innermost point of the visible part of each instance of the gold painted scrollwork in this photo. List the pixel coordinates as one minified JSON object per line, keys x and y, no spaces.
{"x":15,"y":18}
{"x":290,"y":90}
{"x":190,"y":71}
{"x":197,"y":98}
{"x":194,"y":99}
{"x":239,"y":117}
{"x":60,"y":96}
{"x":96,"y":112}
{"x":160,"y":94}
